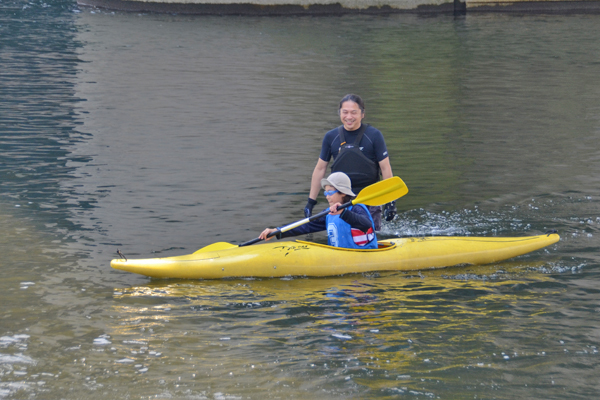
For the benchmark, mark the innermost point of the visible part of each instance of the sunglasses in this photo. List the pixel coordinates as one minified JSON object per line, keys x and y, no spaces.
{"x":330,"y":192}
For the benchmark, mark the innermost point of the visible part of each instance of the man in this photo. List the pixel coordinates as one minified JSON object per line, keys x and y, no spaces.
{"x":359,"y":151}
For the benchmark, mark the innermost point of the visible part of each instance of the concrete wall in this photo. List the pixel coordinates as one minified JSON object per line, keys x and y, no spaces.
{"x":274,"y":7}
{"x":316,"y":7}
{"x":546,"y":6}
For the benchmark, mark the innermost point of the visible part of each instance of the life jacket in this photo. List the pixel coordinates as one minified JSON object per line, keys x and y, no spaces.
{"x":350,"y":160}
{"x":341,"y":234}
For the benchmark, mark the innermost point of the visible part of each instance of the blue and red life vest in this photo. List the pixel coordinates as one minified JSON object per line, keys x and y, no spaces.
{"x":341,"y":234}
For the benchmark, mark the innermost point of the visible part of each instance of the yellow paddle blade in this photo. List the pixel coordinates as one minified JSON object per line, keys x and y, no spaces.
{"x":382,"y":192}
{"x":215,"y":247}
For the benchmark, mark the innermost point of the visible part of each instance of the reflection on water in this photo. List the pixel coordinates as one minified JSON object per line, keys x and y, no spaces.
{"x":363,"y":334}
{"x":160,"y":134}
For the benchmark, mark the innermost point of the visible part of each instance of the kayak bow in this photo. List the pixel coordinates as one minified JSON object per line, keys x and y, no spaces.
{"x":301,"y":258}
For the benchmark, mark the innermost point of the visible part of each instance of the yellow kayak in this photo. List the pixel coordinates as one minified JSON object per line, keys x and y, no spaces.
{"x":300,"y":258}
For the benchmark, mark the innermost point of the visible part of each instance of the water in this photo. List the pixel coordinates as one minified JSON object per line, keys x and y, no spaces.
{"x":160,"y":134}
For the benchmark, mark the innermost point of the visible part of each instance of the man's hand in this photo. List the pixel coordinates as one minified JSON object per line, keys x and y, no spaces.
{"x":389,"y":211}
{"x":309,"y":207}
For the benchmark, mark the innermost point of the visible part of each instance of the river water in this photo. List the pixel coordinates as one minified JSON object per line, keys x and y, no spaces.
{"x":160,"y":134}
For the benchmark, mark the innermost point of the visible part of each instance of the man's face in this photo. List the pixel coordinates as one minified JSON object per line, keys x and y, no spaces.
{"x":351,"y":115}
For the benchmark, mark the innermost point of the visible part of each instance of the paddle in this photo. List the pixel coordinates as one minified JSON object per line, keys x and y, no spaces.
{"x":376,"y":194}
{"x":373,"y":195}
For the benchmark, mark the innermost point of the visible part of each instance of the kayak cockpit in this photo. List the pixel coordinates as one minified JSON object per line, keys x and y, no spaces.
{"x":381,"y":246}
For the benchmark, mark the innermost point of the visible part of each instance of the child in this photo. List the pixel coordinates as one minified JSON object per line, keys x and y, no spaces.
{"x":351,"y":227}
